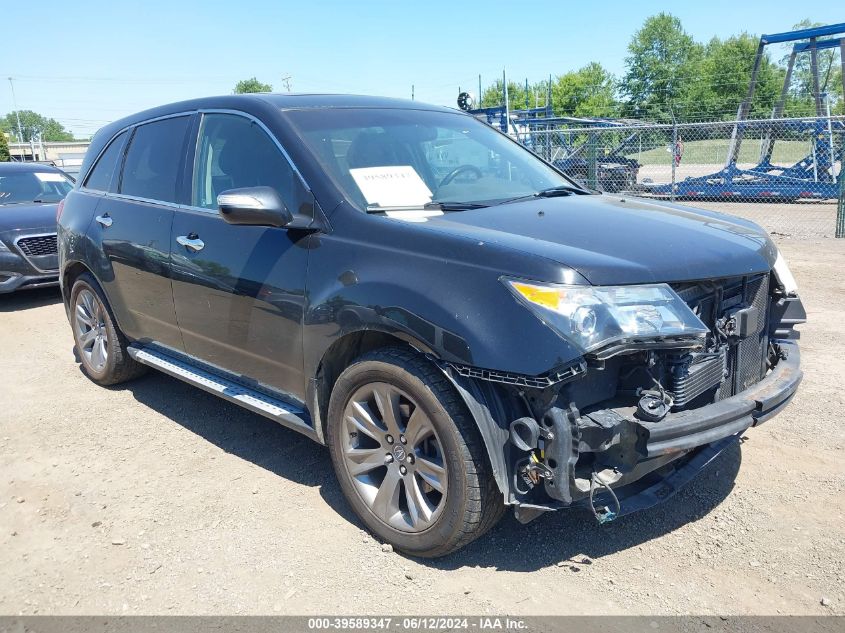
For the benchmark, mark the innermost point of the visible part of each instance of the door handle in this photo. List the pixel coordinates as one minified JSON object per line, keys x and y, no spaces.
{"x":192,"y":242}
{"x":104,"y":220}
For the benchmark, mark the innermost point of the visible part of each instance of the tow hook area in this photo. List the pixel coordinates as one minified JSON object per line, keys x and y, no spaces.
{"x":565,"y":458}
{"x":548,"y":451}
{"x":539,"y":442}
{"x":526,"y":435}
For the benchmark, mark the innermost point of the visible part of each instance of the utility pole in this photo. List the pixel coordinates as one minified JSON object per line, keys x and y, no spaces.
{"x":17,"y":115}
{"x":507,"y":104}
{"x":286,"y":82}
{"x":412,"y":92}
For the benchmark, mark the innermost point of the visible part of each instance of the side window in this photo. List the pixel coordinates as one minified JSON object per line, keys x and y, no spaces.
{"x":233,"y":152}
{"x":151,"y":168}
{"x":101,"y":177}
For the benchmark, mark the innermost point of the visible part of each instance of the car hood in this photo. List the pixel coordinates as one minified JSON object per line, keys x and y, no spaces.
{"x":17,"y":217}
{"x":613,"y":240}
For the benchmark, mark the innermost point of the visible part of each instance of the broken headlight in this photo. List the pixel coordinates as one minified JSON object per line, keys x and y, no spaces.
{"x":595,"y":316}
{"x":784,"y":276}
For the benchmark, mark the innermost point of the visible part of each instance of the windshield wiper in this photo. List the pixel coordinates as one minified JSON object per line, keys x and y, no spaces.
{"x":451,"y":205}
{"x":551,"y":192}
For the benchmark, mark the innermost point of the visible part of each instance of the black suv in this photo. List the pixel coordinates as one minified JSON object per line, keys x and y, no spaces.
{"x":29,"y":197}
{"x":462,"y":325}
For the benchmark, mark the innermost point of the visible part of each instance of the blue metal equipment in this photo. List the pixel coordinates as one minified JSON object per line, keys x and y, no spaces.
{"x":813,"y":176}
{"x":544,"y":133}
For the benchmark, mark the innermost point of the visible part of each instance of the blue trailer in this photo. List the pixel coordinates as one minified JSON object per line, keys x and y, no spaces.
{"x":811,"y":177}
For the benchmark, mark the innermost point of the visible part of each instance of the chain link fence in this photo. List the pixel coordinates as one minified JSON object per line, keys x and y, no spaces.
{"x":784,"y":174}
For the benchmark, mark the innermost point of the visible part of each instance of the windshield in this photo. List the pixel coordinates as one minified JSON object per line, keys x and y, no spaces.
{"x":394,"y":158}
{"x":33,"y":186}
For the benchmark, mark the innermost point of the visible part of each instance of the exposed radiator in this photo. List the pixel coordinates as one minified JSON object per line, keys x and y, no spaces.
{"x":693,"y":374}
{"x":745,"y":360}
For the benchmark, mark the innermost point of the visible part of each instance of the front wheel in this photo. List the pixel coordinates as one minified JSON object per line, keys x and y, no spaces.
{"x":407,"y":455}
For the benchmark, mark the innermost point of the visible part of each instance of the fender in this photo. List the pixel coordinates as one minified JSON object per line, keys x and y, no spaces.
{"x":476,"y":323}
{"x":337,"y":356}
{"x":74,"y":244}
{"x":487,"y":408}
{"x":468,"y":321}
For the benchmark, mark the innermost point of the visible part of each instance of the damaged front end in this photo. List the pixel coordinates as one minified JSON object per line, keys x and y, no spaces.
{"x":628,"y":424}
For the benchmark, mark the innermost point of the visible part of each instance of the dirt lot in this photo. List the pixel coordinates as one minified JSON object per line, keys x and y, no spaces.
{"x":803,"y":219}
{"x":158,"y":498}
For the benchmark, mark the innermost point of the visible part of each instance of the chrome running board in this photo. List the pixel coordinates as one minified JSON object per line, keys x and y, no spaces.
{"x":228,"y":386}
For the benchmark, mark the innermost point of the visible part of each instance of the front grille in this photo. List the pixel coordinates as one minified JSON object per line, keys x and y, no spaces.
{"x":718,"y":299}
{"x":37,"y":246}
{"x":752,"y":351}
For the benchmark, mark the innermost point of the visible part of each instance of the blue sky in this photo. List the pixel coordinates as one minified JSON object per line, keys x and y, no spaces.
{"x":89,"y":62}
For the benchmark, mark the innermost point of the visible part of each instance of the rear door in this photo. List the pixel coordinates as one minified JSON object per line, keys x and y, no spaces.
{"x":132,"y":225}
{"x":239,"y":290}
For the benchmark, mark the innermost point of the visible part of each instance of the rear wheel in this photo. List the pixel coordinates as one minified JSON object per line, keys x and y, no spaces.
{"x":100,"y":345}
{"x":408,"y":457}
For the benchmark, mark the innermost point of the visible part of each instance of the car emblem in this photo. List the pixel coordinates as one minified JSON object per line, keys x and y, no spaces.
{"x":399,"y":452}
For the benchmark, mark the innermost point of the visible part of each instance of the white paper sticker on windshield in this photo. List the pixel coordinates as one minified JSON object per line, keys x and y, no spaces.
{"x":49,"y":176}
{"x":414,"y":215}
{"x":391,"y":186}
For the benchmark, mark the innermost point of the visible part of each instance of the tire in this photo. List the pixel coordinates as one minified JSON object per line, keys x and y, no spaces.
{"x":100,"y":346}
{"x":446,"y":496}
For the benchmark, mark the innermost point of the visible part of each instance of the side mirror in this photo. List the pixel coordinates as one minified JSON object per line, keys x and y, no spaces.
{"x":257,"y":206}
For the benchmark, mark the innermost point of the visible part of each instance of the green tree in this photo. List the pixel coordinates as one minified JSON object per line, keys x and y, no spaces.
{"x":661,"y":58}
{"x":720,"y":80}
{"x":4,"y":147}
{"x":836,"y":88}
{"x":586,"y":92}
{"x":252,"y":84}
{"x":493,"y":95}
{"x":801,"y":100}
{"x":32,"y":124}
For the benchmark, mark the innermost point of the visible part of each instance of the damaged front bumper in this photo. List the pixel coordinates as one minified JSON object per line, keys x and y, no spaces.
{"x":609,"y":460}
{"x":607,"y":449}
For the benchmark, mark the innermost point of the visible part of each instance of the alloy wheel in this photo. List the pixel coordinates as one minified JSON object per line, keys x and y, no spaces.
{"x":89,"y":318}
{"x":394,"y":457}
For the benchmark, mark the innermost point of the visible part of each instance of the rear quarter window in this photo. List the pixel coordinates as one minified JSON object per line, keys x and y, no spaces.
{"x":153,"y":160}
{"x":102,"y":176}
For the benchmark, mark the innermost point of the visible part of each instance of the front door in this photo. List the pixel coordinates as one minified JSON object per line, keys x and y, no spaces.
{"x":239,"y":290}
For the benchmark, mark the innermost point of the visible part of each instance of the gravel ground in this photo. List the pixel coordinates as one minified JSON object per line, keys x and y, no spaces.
{"x":804,"y":219}
{"x":157,"y":498}
{"x":810,"y":220}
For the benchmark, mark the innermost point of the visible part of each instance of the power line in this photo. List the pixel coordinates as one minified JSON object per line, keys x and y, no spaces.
{"x":17,"y":115}
{"x":126,"y":80}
